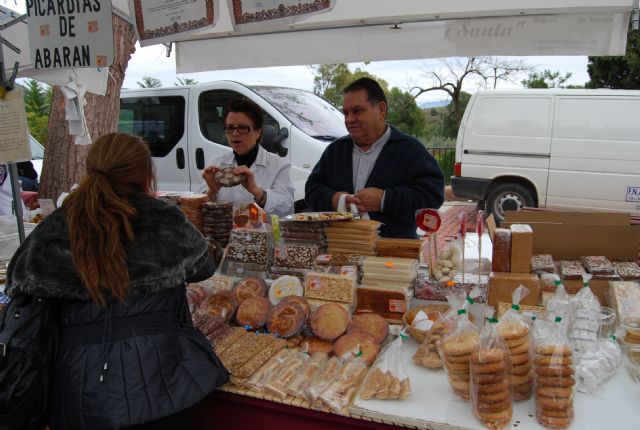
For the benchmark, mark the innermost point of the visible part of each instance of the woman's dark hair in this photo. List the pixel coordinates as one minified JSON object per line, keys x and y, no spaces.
{"x":375,"y":94}
{"x":247,"y":107}
{"x":100,"y":216}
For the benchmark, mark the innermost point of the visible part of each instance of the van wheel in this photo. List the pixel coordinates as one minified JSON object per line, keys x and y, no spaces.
{"x":508,"y":197}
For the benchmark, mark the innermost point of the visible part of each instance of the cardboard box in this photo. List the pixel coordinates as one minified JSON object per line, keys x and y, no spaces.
{"x":502,"y":285}
{"x":571,"y":235}
{"x":521,"y":248}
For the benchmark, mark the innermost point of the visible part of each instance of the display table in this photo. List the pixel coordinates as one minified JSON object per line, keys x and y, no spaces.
{"x":433,"y":405}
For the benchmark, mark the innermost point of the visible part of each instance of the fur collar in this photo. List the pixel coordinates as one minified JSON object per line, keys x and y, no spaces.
{"x":167,"y":249}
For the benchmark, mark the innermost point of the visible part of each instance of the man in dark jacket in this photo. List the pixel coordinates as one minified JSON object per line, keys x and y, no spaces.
{"x":380,"y":169}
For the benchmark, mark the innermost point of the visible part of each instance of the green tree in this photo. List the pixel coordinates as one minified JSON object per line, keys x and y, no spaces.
{"x":404,"y":113}
{"x":149,"y":82}
{"x":37,"y":101}
{"x":622,"y":72}
{"x":180,"y":82}
{"x":546,"y":79}
{"x":330,"y":80}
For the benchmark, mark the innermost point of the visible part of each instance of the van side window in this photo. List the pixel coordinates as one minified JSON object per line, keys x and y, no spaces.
{"x":599,"y":118}
{"x":158,"y":120}
{"x":211,"y":106}
{"x":522,"y":116}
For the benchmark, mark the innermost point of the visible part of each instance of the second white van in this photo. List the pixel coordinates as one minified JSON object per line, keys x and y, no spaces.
{"x":577,"y":149}
{"x":184,"y":130}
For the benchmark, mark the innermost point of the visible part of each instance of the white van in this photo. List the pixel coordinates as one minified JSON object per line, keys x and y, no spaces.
{"x":577,"y":149}
{"x":183,"y":127}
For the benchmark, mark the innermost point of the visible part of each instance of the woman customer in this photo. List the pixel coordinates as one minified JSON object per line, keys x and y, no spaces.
{"x":117,"y":259}
{"x":267,"y":176}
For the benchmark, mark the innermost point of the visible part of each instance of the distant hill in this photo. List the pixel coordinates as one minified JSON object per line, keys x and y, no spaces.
{"x":429,"y":105}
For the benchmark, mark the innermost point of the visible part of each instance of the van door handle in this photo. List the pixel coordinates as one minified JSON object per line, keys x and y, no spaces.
{"x":306,"y":165}
{"x":180,"y":158}
{"x":199,"y":158}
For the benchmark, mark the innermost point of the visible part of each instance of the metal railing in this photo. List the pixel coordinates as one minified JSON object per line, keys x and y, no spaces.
{"x":446,"y":158}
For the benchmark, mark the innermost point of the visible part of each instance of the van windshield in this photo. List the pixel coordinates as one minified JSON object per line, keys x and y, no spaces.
{"x":310,"y":113}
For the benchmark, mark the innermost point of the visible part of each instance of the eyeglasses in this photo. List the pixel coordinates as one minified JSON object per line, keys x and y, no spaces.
{"x":241,"y":129}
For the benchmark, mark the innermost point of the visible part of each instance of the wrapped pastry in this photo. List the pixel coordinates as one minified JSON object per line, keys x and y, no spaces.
{"x":596,"y":364}
{"x":628,"y":271}
{"x":559,"y":306}
{"x":329,"y":321}
{"x":338,"y":395}
{"x":370,"y":323}
{"x":222,"y":304}
{"x":388,"y":378}
{"x":276,"y":381}
{"x":249,"y":287}
{"x":585,"y":313}
{"x":571,"y":270}
{"x":542,"y":263}
{"x":314,"y":345}
{"x":514,"y":331}
{"x":357,"y":344}
{"x":598,"y":265}
{"x":314,"y":365}
{"x":285,"y":286}
{"x":252,"y":313}
{"x":256,"y":381}
{"x":490,"y":378}
{"x":455,"y":351}
{"x":554,"y":378}
{"x":323,"y":379}
{"x":195,"y":297}
{"x":286,"y":319}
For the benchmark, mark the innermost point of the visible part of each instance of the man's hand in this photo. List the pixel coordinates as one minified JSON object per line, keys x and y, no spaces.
{"x":349,"y":199}
{"x":369,"y":199}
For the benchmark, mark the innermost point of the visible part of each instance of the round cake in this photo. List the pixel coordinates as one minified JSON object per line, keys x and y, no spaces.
{"x":227,"y":178}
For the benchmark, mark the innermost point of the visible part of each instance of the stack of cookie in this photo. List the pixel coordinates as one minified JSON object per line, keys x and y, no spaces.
{"x":490,"y":387}
{"x":218,"y":221}
{"x":554,"y":387}
{"x":516,"y":336}
{"x":455,"y":353}
{"x":191,"y":206}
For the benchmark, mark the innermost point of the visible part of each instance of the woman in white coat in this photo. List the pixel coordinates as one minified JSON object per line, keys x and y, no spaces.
{"x":267,"y":176}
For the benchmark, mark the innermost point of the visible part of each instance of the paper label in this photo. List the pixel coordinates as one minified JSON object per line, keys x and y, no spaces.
{"x":46,"y":206}
{"x":315,"y":284}
{"x":389,"y":264}
{"x":323,"y":258}
{"x":633,"y":194}
{"x":283,"y":290}
{"x":398,"y":306}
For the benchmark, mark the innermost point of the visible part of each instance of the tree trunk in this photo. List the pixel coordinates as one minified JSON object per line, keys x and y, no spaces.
{"x":64,"y":160}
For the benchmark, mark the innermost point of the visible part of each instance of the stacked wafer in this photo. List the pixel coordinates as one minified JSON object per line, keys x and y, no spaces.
{"x":455,"y":352}
{"x":217,"y":221}
{"x":353,"y":237}
{"x":516,"y":336}
{"x":490,"y":387}
{"x":554,"y":385}
{"x":191,"y":206}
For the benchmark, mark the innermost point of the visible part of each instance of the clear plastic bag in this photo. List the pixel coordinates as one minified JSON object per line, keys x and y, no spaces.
{"x":559,"y":306}
{"x":585,"y":313}
{"x":277,"y":380}
{"x":515,"y":333}
{"x":455,"y":350}
{"x":323,"y":379}
{"x":490,"y":367}
{"x":314,"y":365}
{"x":388,"y":379}
{"x":554,"y":376}
{"x":448,"y":262}
{"x":596,"y":364}
{"x":256,"y":381}
{"x":340,"y":392}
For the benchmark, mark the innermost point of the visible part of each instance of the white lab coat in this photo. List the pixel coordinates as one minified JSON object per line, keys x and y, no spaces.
{"x":271,"y":172}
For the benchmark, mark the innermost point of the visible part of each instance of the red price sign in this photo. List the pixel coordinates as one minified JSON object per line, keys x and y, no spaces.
{"x":480,"y":223}
{"x":428,"y":220}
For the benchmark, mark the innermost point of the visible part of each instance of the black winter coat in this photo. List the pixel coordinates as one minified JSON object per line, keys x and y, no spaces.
{"x":130,"y":362}
{"x":409,"y":175}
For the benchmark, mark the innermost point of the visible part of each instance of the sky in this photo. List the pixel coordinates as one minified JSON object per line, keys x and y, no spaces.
{"x":401,"y":74}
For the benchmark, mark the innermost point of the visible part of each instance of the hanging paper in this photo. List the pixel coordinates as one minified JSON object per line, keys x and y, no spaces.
{"x":272,"y":13}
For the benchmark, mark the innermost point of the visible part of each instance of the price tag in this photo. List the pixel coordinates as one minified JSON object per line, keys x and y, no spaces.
{"x":428,"y":220}
{"x":47,"y":206}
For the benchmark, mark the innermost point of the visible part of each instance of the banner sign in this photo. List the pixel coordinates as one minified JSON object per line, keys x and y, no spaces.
{"x":162,"y":21}
{"x":70,"y":33}
{"x":275,"y":12}
{"x":14,"y":143}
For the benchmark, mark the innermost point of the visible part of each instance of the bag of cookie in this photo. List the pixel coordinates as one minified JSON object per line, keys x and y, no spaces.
{"x":341,"y":391}
{"x":490,"y":370}
{"x":585,"y":313}
{"x":455,"y":351}
{"x":515,"y":333}
{"x":596,"y":364}
{"x":388,"y":379}
{"x":278,"y":379}
{"x":314,"y":365}
{"x":322,"y":380}
{"x":559,"y":306}
{"x":554,"y":377}
{"x":428,"y":354}
{"x":257,"y":380}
